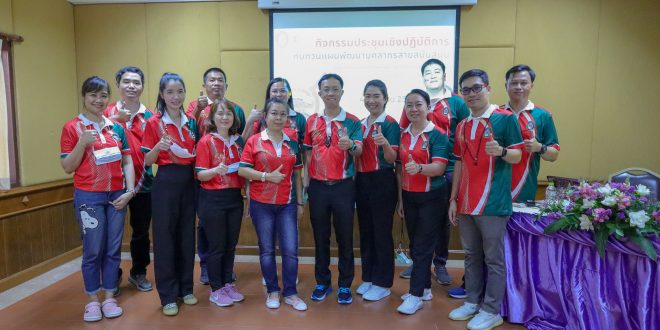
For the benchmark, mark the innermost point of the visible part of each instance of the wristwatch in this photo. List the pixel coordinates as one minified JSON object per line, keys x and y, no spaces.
{"x":544,"y":148}
{"x":354,"y":146}
{"x":504,"y":152}
{"x":263,"y":176}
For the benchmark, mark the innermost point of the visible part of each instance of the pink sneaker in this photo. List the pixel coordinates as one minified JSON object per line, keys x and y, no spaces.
{"x":220,"y":298}
{"x":231,"y":291}
{"x":111,"y":309}
{"x":93,"y":312}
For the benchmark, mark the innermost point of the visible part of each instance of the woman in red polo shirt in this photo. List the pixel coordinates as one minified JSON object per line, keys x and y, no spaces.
{"x":169,"y":141}
{"x":271,"y":161}
{"x":220,"y":201}
{"x":97,"y":152}
{"x":376,"y":193}
{"x":423,"y":154}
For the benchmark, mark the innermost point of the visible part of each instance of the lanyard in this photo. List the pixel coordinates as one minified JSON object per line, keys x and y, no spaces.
{"x":487,"y":131}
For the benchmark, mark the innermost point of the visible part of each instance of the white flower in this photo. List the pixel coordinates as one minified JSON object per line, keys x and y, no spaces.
{"x":588,"y":203}
{"x":609,"y":201}
{"x":642,"y":190}
{"x":565,"y":203}
{"x":638,"y":218}
{"x":605,"y":190}
{"x":585,"y":223}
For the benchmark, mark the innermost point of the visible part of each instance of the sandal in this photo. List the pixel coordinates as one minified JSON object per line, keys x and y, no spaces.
{"x":92,"y":312}
{"x":111,"y":309}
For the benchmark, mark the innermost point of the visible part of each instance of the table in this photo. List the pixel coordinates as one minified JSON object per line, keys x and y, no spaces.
{"x":559,"y":281}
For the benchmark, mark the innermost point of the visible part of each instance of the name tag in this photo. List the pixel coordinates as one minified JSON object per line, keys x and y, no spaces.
{"x":107,"y":155}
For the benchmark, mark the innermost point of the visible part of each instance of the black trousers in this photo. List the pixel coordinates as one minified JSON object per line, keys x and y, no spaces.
{"x":444,"y":230}
{"x":220,"y":214}
{"x":140,"y":209}
{"x":376,"y":199}
{"x":173,"y":209}
{"x":421,"y":210}
{"x":333,"y":204}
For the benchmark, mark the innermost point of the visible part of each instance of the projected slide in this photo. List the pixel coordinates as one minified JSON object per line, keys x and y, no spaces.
{"x":389,"y":45}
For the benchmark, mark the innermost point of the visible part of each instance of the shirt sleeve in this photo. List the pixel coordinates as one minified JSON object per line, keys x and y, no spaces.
{"x":296,"y":148}
{"x":439,"y":147}
{"x":301,"y":123}
{"x":68,"y":140}
{"x":203,"y":161}
{"x":247,"y":158}
{"x":191,"y":108}
{"x":307,"y":140}
{"x":355,"y":131}
{"x":457,"y":152}
{"x":513,"y":137}
{"x":150,"y":136}
{"x":125,"y":148}
{"x":392,"y":133}
{"x":549,"y":132}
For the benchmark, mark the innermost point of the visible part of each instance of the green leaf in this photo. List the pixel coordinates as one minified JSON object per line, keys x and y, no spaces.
{"x":600,"y":236}
{"x":645,"y":245}
{"x":619,"y":232}
{"x":556,"y":226}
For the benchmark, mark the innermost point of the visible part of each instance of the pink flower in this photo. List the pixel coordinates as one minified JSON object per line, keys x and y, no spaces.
{"x":623,"y":202}
{"x":601,"y":215}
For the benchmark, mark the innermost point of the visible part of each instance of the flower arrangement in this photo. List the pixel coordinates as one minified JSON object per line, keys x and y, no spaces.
{"x":618,"y":209}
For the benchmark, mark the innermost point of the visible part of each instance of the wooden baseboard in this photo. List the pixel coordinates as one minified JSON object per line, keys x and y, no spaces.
{"x":36,"y":270}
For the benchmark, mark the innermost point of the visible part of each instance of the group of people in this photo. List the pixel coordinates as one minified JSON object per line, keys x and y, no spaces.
{"x":448,"y":160}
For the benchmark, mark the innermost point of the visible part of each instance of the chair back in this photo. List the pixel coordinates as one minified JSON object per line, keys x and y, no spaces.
{"x":561,"y":182}
{"x":638,"y":175}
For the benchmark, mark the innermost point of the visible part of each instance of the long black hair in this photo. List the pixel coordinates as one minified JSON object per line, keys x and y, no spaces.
{"x":167,"y":77}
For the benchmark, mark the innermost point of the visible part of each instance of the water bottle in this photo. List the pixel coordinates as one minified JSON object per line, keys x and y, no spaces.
{"x":551,"y":192}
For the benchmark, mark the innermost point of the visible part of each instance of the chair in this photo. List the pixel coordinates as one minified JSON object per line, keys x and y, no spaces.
{"x":638,"y":175}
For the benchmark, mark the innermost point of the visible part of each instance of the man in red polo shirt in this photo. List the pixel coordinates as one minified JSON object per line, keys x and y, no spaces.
{"x":486,"y":144}
{"x":215,"y":84}
{"x":132,"y":115}
{"x":537,"y":129}
{"x":332,"y":140}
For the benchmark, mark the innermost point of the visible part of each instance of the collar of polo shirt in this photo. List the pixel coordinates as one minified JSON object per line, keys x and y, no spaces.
{"x":429,"y":127}
{"x":340,"y":117}
{"x":168,"y":120}
{"x":485,"y":115}
{"x":142,"y":109}
{"x":380,"y":119}
{"x":292,"y":113}
{"x":232,"y":139}
{"x":264,"y":136}
{"x":529,"y":107}
{"x":106,"y":122}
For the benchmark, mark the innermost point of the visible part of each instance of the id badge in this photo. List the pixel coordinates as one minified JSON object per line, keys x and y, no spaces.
{"x":107,"y":155}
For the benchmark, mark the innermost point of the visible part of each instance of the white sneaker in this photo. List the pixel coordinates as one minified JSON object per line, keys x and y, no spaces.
{"x":484,"y":321}
{"x":363,"y":288}
{"x":465,"y":312}
{"x":273,"y":300}
{"x":411,"y":305}
{"x":295,"y":302}
{"x":263,"y":281}
{"x":376,"y":293}
{"x":428,"y":295}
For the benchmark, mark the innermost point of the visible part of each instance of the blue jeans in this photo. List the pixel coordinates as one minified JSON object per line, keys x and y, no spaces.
{"x":101,"y":231}
{"x":280,"y":222}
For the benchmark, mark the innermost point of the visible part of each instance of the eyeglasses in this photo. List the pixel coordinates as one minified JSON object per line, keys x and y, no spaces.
{"x":476,"y":89}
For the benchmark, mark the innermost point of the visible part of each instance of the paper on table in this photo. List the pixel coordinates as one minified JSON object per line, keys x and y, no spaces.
{"x":522,"y":208}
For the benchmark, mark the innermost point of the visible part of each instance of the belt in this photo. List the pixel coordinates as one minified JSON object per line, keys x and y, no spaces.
{"x":332,"y":182}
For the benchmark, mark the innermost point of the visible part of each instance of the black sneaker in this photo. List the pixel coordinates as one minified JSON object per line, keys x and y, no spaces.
{"x":141,"y":282}
{"x":320,"y":292}
{"x":344,"y":296}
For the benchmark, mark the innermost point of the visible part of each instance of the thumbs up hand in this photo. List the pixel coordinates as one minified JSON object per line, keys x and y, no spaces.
{"x":221,"y":169}
{"x":275,"y":176}
{"x":255,"y":114}
{"x":379,"y":138}
{"x":411,"y":166}
{"x":122,"y":115}
{"x":345,"y":143}
{"x":202,"y":101}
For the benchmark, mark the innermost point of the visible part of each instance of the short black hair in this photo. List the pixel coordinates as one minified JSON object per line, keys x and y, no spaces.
{"x":433,"y":61}
{"x":94,"y":84}
{"x":214,"y":69}
{"x":378,"y":84}
{"x":474,"y":73}
{"x":331,"y":76}
{"x":520,"y":68}
{"x":129,"y":68}
{"x":421,"y":93}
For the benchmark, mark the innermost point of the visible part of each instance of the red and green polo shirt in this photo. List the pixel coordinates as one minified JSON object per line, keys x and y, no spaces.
{"x":534,"y":122}
{"x":89,"y":175}
{"x":485,"y":182}
{"x":430,"y":146}
{"x":203,"y":121}
{"x":294,"y":127}
{"x":134,"y":129}
{"x":183,"y":139}
{"x":262,"y":154}
{"x":446,"y":112}
{"x":212,"y":150}
{"x":372,"y":157}
{"x":328,"y":161}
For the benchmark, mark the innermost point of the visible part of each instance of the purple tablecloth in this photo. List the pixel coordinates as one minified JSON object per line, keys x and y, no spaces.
{"x":559,"y":281}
